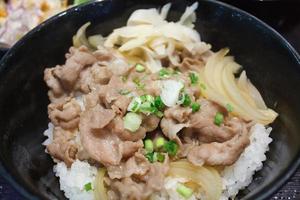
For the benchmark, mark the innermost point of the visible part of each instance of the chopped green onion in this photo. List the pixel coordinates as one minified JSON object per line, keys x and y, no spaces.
{"x":187,"y":100}
{"x":171,"y":147}
{"x":184,"y":191}
{"x":158,"y":103}
{"x":132,"y":121}
{"x":78,"y":2}
{"x":150,"y":157}
{"x":155,"y":156}
{"x":146,"y":108}
{"x":147,"y":97}
{"x":160,"y":157}
{"x":149,"y":145}
{"x":195,"y":106}
{"x":229,"y":107}
{"x":135,"y":104}
{"x":139,"y":68}
{"x":124,"y":92}
{"x":159,"y":142}
{"x":219,"y":118}
{"x":164,"y":73}
{"x":88,"y":186}
{"x":194,"y":78}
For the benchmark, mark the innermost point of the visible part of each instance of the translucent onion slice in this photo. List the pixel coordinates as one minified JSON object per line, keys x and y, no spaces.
{"x":100,"y":190}
{"x":80,"y":37}
{"x":221,"y":86}
{"x":207,"y":178}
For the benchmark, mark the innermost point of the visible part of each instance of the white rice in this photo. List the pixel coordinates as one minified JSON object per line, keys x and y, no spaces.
{"x":72,"y":180}
{"x":235,"y":177}
{"x":239,"y":175}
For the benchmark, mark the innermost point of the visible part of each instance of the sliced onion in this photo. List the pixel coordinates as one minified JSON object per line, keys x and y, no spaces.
{"x":80,"y":37}
{"x":207,"y":178}
{"x":96,"y":40}
{"x":222,"y":87}
{"x":100,"y":190}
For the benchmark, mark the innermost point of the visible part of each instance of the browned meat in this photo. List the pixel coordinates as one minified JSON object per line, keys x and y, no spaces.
{"x":220,"y":153}
{"x":145,"y":180}
{"x":63,"y":146}
{"x":91,"y":99}
{"x":100,"y":117}
{"x":65,"y":113}
{"x":111,"y":92}
{"x":202,"y":124}
{"x":76,"y":61}
{"x":85,"y":81}
{"x":118,"y":129}
{"x":136,"y":165}
{"x":178,"y":113}
{"x":150,"y":122}
{"x":56,"y":91}
{"x":191,"y":64}
{"x":174,"y":120}
{"x":111,"y":58}
{"x":170,"y":128}
{"x":152,"y":86}
{"x":127,"y":189}
{"x":120,"y":105}
{"x":101,"y":74}
{"x":99,"y":141}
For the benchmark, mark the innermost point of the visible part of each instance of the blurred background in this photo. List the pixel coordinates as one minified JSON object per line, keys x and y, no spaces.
{"x":17,"y":17}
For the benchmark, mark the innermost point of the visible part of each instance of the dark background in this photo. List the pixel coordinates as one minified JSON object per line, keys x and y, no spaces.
{"x":282,"y":15}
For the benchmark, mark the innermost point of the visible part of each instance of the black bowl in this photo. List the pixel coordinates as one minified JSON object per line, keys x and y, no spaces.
{"x":271,"y":63}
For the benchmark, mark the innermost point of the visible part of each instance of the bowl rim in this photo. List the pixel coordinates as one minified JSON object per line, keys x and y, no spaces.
{"x":264,"y":193}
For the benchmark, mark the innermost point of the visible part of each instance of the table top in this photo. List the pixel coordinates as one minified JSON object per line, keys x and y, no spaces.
{"x":286,"y":20}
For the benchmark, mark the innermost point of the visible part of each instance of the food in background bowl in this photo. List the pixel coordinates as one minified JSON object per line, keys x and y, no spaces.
{"x":17,"y":17}
{"x":151,"y":112}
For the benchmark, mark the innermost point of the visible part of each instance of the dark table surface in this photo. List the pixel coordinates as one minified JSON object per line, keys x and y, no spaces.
{"x":284,"y":16}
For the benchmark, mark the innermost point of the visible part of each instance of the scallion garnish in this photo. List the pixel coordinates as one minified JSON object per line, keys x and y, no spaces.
{"x":193,"y":78}
{"x":184,"y":191}
{"x":158,"y":103}
{"x":139,"y":68}
{"x":164,"y":73}
{"x":132,"y":121}
{"x":171,"y":147}
{"x":159,"y":142}
{"x":150,"y":157}
{"x":135,"y":104}
{"x":148,"y":98}
{"x":149,"y":147}
{"x":88,"y":186}
{"x":195,"y":107}
{"x":219,"y":118}
{"x":187,"y":100}
{"x":160,"y":157}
